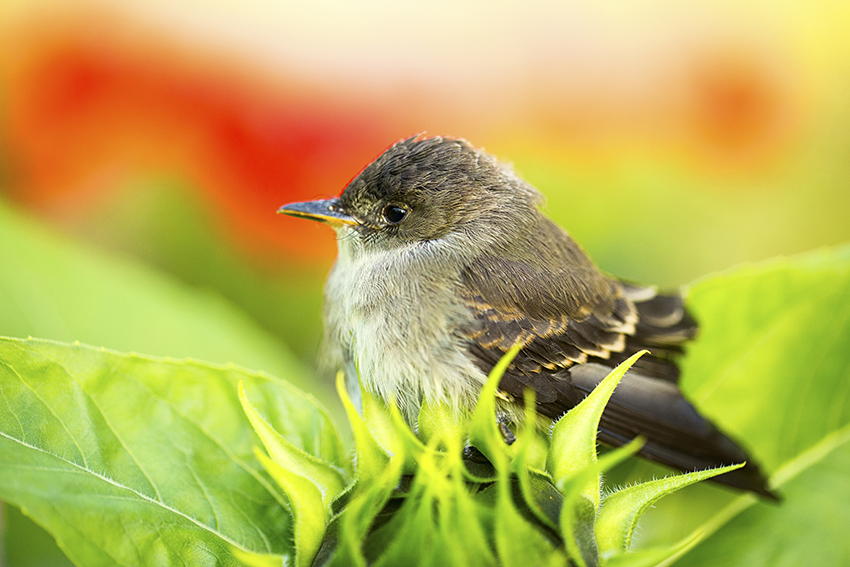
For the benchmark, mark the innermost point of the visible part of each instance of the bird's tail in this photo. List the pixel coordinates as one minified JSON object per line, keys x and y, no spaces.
{"x":676,"y":434}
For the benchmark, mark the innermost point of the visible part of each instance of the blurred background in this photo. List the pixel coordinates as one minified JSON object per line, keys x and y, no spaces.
{"x":672,"y":139}
{"x":145,"y":147}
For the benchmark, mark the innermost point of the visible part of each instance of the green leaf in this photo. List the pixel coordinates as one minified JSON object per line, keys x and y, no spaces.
{"x":772,"y":360}
{"x":142,"y":461}
{"x":255,"y":559}
{"x":808,"y":528}
{"x":53,"y":288}
{"x":25,"y":544}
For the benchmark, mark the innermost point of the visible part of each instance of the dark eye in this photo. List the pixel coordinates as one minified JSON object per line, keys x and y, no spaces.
{"x":394,"y":214}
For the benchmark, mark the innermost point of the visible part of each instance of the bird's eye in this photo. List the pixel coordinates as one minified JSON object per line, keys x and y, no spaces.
{"x":394,"y":214}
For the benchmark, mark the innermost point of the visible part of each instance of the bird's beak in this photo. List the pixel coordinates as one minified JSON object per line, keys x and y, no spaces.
{"x":326,"y":210}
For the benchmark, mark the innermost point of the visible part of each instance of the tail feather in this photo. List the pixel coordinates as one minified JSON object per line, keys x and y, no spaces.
{"x":677,"y":435}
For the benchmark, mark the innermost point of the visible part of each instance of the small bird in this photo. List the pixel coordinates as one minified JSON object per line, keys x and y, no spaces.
{"x":446,"y":262}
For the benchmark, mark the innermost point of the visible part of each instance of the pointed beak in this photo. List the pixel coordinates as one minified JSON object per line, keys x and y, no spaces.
{"x":326,"y":211}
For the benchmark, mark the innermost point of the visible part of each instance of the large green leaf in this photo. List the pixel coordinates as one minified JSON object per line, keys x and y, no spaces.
{"x":139,"y":461}
{"x":772,"y":361}
{"x":772,"y":367}
{"x":810,"y":528}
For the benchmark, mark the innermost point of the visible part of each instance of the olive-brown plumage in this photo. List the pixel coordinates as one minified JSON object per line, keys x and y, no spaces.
{"x":446,"y":262}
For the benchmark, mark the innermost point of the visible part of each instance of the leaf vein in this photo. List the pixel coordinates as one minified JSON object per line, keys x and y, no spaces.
{"x":204,"y":490}
{"x":139,"y":495}
{"x":50,"y":409}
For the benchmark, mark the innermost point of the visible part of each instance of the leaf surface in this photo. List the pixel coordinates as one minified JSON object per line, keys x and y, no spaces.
{"x":139,"y":461}
{"x":772,"y":368}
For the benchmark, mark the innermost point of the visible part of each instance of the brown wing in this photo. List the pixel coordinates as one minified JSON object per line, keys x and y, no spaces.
{"x":567,"y":350}
{"x":600,"y":323}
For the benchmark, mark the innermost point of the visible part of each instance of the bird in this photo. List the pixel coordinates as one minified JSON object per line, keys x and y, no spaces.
{"x":446,"y":261}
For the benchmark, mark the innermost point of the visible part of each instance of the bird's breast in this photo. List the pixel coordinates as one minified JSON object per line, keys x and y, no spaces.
{"x":395,"y":316}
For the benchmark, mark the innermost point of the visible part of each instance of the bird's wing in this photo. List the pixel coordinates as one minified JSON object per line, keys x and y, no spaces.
{"x":567,"y":316}
{"x":573,"y":335}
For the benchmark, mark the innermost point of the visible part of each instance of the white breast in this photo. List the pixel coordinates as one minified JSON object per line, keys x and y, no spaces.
{"x":393,"y":315}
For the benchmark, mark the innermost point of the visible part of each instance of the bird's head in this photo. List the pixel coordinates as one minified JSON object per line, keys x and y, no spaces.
{"x":423,"y":190}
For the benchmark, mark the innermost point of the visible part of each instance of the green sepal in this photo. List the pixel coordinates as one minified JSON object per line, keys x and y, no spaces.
{"x":410,"y":447}
{"x":356,"y":519}
{"x":326,"y":478}
{"x":309,"y":512}
{"x":518,"y":541}
{"x":461,"y":521}
{"x":534,"y":484}
{"x":371,"y":460}
{"x":661,"y":556}
{"x":579,"y":510}
{"x":622,"y":509}
{"x":391,"y":431}
{"x":376,"y":416}
{"x":410,"y":533}
{"x":573,"y":446}
{"x":438,"y":423}
{"x":484,"y":432}
{"x":578,"y":513}
{"x":437,"y":520}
